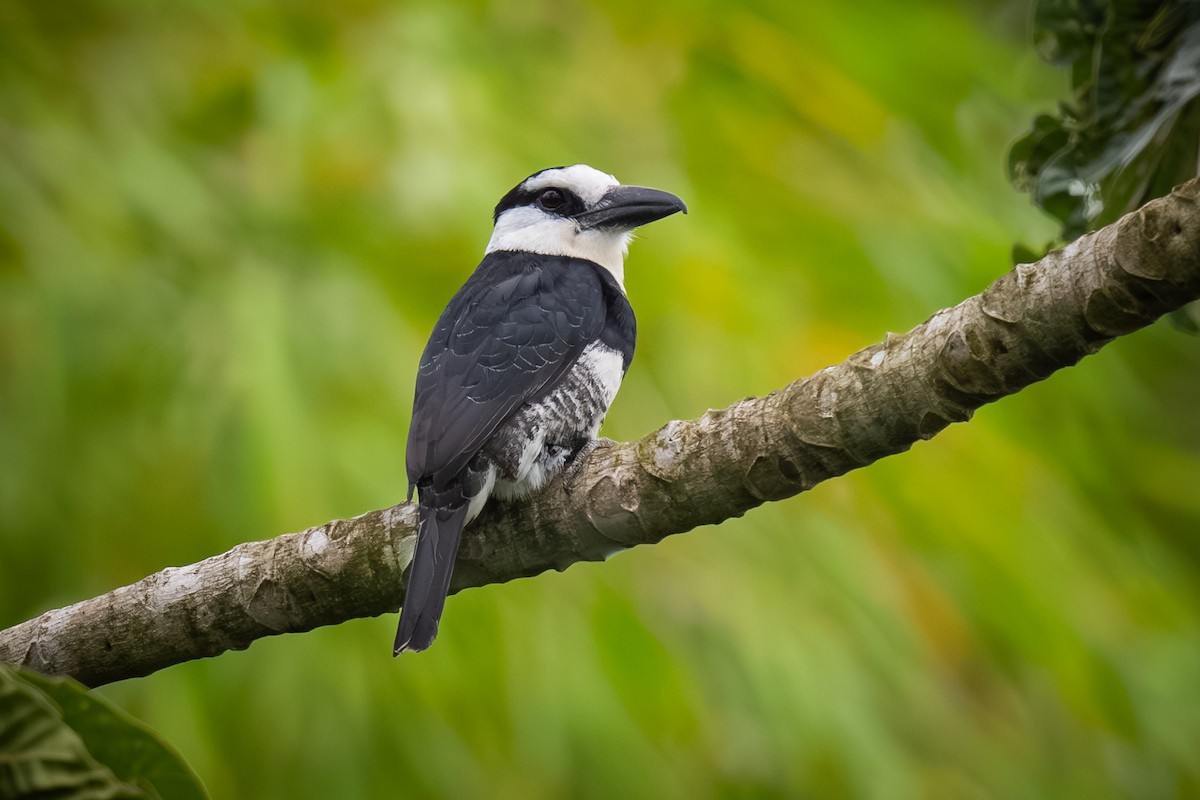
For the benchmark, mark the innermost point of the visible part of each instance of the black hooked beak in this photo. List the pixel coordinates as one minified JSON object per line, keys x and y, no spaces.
{"x":628,"y":207}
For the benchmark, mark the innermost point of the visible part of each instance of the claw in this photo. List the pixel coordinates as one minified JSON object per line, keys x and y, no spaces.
{"x":575,"y":465}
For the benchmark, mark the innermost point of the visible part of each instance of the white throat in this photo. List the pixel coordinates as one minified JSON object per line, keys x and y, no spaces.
{"x":531,"y":230}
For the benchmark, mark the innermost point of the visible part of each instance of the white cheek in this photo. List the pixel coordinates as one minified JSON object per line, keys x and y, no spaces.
{"x":531,"y":231}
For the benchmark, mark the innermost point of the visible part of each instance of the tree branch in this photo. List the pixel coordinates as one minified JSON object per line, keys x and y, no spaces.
{"x":1032,"y":321}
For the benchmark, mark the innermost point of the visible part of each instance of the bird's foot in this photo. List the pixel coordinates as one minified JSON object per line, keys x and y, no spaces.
{"x":575,"y":464}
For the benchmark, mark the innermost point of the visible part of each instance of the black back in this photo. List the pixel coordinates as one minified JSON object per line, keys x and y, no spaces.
{"x":507,"y":337}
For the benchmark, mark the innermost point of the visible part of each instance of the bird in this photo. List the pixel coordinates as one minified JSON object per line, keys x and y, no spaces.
{"x":522,"y":364}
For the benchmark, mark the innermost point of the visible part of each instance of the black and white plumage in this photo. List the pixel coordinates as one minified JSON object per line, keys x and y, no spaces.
{"x":522,"y":365}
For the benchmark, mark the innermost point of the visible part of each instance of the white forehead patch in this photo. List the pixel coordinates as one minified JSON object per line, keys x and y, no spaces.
{"x":590,"y":184}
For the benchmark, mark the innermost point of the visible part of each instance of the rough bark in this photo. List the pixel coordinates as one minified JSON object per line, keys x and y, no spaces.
{"x":1034,"y":320}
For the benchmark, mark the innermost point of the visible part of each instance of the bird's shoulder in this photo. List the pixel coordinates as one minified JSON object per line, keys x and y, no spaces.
{"x":515,"y":299}
{"x":511,"y":276}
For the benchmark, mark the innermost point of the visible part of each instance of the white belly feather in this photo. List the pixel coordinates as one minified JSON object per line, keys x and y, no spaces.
{"x":540,"y":438}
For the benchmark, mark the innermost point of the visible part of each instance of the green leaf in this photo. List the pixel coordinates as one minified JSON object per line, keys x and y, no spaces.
{"x":57,"y":740}
{"x":1130,"y":133}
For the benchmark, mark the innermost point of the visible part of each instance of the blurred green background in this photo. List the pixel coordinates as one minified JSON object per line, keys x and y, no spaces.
{"x":227,"y":228}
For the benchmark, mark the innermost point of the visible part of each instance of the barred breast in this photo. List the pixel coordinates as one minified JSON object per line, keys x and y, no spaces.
{"x":534,"y":445}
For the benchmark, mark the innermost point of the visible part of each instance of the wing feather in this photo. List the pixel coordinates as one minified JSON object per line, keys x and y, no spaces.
{"x":507,"y":337}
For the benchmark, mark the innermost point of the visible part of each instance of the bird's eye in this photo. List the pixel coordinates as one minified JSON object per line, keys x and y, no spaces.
{"x":551,"y":199}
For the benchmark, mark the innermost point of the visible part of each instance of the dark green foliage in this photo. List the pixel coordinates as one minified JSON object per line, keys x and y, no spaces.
{"x":1132,"y":130}
{"x":57,"y":740}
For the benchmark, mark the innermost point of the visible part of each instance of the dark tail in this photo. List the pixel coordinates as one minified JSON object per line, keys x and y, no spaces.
{"x":429,"y":577}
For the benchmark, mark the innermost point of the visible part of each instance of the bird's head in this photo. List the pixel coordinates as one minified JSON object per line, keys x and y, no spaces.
{"x":577,"y":211}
